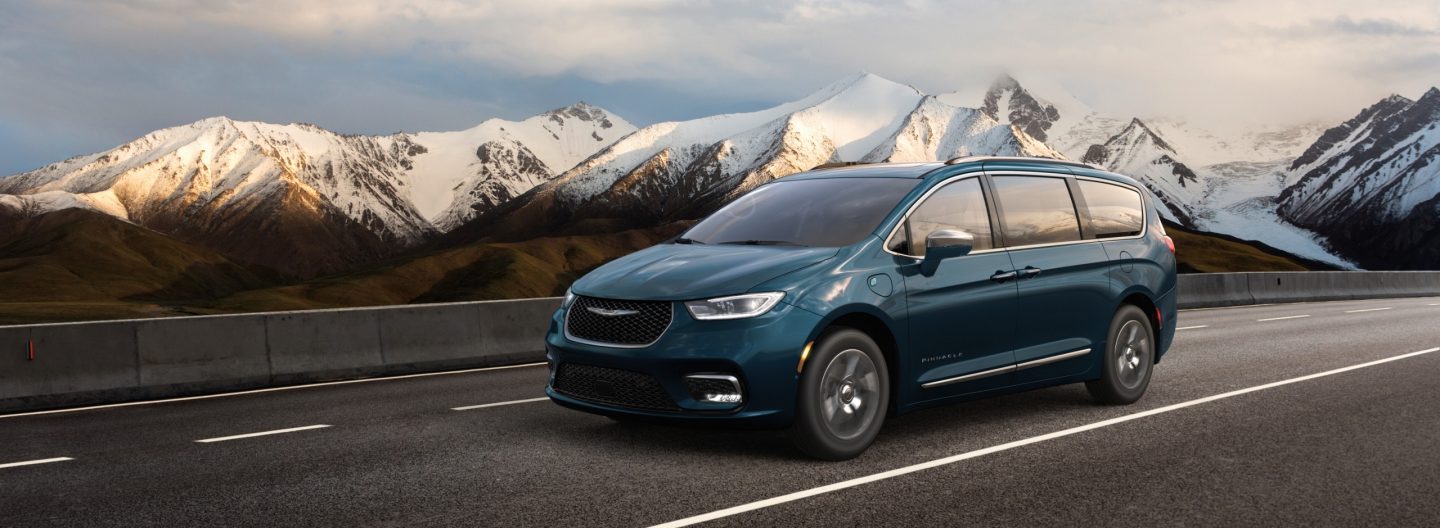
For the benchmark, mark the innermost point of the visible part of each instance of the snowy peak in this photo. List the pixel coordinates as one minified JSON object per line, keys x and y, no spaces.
{"x":581,"y":111}
{"x":1044,"y":111}
{"x":1333,"y":137}
{"x":854,"y":85}
{"x":850,"y":117}
{"x":1142,"y":133}
{"x":1372,"y":184}
{"x":937,"y":131}
{"x":343,"y":199}
{"x":1008,"y":102}
{"x":292,"y":197}
{"x":1139,"y":152}
{"x":1135,"y":137}
{"x":470,"y":170}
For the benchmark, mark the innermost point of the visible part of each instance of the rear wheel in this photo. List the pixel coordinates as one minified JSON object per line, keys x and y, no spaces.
{"x":1129,"y":359}
{"x":844,"y":394}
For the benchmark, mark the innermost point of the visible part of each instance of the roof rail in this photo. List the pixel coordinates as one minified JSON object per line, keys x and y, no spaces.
{"x":838,"y":164}
{"x":967,"y":159}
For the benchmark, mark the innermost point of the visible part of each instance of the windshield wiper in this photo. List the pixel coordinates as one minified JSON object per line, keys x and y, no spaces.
{"x":762,"y":243}
{"x":683,"y":240}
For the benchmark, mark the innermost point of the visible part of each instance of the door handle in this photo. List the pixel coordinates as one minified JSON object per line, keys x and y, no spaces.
{"x":1029,"y":272}
{"x":1002,"y":276}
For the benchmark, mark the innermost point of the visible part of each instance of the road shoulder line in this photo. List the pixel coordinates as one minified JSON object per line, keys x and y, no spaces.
{"x":261,"y":433}
{"x":775,"y":501}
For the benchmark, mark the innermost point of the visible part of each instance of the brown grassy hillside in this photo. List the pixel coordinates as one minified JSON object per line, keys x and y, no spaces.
{"x":543,"y":267}
{"x":1200,"y":252}
{"x":78,"y":264}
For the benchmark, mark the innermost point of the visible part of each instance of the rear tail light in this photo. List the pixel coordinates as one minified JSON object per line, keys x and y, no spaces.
{"x":1169,"y":243}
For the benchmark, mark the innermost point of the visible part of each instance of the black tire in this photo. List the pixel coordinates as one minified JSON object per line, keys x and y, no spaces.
{"x":1129,"y":359}
{"x":827,"y":425}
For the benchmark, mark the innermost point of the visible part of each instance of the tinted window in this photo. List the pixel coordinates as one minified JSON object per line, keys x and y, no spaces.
{"x":959,"y":205}
{"x":829,"y":212}
{"x":1036,"y":210}
{"x":1115,"y":211}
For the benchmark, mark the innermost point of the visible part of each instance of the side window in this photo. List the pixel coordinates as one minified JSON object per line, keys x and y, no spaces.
{"x":959,"y":205}
{"x":1036,"y":210}
{"x":1115,"y":211}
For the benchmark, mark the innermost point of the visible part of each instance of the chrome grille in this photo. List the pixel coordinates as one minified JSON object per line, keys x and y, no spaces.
{"x":617,"y":322}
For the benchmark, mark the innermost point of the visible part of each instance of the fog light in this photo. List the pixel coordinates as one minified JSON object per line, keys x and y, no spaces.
{"x":721,"y":397}
{"x":714,"y":388}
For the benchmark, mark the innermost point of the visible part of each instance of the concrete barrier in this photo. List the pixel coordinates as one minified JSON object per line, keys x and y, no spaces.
{"x":97,"y":362}
{"x":110,"y":361}
{"x":308,"y":346}
{"x":1214,"y":289}
{"x":1233,"y":289}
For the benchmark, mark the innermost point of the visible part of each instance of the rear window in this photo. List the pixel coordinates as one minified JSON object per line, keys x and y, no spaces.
{"x":1036,"y":210}
{"x":1115,"y":210}
{"x":828,"y":212}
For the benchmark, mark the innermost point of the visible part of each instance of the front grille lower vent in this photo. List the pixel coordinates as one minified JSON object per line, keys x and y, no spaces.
{"x":616,"y":322}
{"x":613,"y":386}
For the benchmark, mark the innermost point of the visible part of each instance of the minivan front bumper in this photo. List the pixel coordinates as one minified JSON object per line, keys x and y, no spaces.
{"x":762,"y":352}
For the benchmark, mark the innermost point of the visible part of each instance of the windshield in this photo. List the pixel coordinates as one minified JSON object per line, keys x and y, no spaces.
{"x":829,"y":212}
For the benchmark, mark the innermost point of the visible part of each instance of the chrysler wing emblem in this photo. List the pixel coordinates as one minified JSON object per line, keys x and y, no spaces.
{"x":610,"y":313}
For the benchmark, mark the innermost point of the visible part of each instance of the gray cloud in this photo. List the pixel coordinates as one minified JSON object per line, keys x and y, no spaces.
{"x":1378,"y":27}
{"x":83,"y":76}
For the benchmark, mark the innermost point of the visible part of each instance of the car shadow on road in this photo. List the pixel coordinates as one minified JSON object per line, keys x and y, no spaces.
{"x":927,"y":428}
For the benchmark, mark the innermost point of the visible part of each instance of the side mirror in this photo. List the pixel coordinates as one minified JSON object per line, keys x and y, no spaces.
{"x":945,"y":243}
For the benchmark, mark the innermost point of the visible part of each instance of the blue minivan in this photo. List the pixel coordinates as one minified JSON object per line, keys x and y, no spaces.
{"x":824,"y":301}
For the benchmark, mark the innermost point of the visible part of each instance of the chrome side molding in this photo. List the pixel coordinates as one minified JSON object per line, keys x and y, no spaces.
{"x":1052,"y":359}
{"x":968,"y":377}
{"x":1008,"y":368}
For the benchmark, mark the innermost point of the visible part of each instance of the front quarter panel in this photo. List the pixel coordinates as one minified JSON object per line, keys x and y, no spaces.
{"x":843,"y":287}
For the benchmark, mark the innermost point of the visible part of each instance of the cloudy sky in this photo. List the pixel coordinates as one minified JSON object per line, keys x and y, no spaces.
{"x":83,"y":76}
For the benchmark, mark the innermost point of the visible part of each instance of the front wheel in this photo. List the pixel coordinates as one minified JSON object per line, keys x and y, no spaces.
{"x":1129,"y":358}
{"x":843,"y":397}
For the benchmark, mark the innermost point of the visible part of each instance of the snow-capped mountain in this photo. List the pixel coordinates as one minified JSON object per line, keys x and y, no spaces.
{"x":303,"y":199}
{"x":677,"y":169}
{"x":683,"y":169}
{"x":938,"y":131}
{"x":1236,"y":198}
{"x":1371,"y":186}
{"x":1136,"y":151}
{"x":286,"y":196}
{"x":1044,"y":111}
{"x":471,"y":170}
{"x":1259,"y":143}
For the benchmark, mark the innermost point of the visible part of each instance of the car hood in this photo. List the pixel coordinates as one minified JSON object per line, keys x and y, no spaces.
{"x":690,"y":271}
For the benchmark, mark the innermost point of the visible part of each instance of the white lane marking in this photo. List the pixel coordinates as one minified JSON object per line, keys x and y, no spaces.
{"x":1223,"y":307}
{"x":1367,"y":310}
{"x":33,"y":462}
{"x":1191,"y":327}
{"x":1281,"y":318}
{"x":497,"y":404}
{"x":262,"y":433}
{"x":270,"y":389}
{"x":1012,"y":445}
{"x":1433,"y":304}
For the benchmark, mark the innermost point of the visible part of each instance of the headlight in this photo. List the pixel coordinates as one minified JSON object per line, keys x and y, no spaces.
{"x":569,"y":299}
{"x":735,"y":306}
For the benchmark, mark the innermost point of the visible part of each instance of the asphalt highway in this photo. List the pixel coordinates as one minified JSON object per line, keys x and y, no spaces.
{"x":1294,"y":414}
